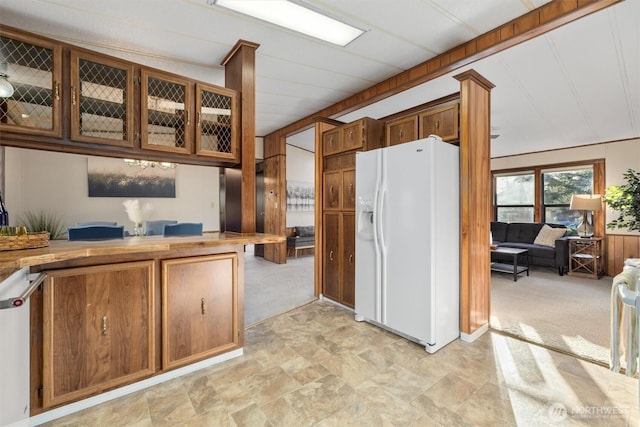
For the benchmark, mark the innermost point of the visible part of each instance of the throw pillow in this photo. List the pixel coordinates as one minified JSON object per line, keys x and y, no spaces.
{"x":548,"y":235}
{"x":305,"y":231}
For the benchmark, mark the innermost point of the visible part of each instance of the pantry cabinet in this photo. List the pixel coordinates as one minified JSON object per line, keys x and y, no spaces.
{"x":98,"y":329}
{"x":199,"y":315}
{"x":339,"y":257}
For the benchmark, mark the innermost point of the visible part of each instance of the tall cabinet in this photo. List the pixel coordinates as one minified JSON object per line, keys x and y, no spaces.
{"x":339,"y":146}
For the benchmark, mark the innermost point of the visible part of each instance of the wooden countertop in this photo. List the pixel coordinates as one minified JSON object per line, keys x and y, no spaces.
{"x":62,"y":250}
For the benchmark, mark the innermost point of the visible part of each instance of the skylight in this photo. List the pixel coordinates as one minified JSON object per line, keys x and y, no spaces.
{"x":297,"y":18}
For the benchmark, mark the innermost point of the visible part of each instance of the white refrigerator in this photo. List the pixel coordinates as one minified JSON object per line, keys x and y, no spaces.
{"x":408,"y":240}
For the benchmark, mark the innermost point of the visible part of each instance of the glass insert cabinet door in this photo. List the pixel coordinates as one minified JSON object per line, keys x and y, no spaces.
{"x":101,"y":100}
{"x":216,"y":132}
{"x":34,"y":69}
{"x":165,"y":118}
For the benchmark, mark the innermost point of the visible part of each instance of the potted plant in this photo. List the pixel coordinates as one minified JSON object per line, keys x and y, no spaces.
{"x":625,"y":199}
{"x":44,"y":221}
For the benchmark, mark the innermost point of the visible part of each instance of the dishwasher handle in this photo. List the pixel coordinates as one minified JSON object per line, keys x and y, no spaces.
{"x":19,"y":301}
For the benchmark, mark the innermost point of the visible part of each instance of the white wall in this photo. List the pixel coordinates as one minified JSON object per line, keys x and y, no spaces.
{"x":300,"y":167}
{"x":57,"y":182}
{"x":618,"y":156}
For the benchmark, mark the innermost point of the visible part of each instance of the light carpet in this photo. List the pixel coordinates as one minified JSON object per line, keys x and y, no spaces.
{"x":564,"y":313}
{"x":271,"y":289}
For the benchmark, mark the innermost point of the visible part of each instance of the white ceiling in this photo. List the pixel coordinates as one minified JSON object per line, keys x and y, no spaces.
{"x":579,"y":84}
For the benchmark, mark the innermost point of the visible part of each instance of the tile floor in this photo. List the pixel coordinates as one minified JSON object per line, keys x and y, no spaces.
{"x":317,"y":366}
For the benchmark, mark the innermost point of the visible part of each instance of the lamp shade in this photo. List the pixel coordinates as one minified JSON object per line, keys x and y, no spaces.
{"x":586,"y":202}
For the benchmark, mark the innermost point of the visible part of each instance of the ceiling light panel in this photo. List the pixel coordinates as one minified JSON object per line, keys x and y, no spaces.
{"x":295,"y":17}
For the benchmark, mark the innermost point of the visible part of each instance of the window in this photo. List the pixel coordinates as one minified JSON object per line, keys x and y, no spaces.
{"x":514,"y":197}
{"x":557,"y":188}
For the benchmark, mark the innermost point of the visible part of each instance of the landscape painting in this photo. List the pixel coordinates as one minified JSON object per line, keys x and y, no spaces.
{"x":114,"y":178}
{"x":300,"y":196}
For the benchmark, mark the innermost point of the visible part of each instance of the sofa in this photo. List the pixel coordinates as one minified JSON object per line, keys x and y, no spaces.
{"x":303,"y":237}
{"x":548,"y":246}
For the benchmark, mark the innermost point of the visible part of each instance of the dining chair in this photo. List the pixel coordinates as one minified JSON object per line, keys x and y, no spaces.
{"x":183,"y":229}
{"x":107,"y":223}
{"x":156,"y":228}
{"x":95,"y":232}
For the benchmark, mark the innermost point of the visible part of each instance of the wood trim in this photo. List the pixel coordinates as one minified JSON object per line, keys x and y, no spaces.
{"x":537,"y":22}
{"x":618,"y":248}
{"x":475,"y":203}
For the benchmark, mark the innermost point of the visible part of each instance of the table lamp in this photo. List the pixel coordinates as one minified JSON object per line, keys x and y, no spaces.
{"x":585,"y":203}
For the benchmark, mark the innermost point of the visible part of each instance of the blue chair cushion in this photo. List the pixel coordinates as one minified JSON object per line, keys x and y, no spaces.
{"x":95,"y":232}
{"x":84,"y":224}
{"x":183,"y":229}
{"x":156,"y":228}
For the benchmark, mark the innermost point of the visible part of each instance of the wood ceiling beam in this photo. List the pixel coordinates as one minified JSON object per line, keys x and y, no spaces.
{"x":539,"y":21}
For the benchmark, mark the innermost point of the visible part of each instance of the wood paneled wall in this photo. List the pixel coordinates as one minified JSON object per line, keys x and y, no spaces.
{"x":275,"y":195}
{"x":617,"y":248}
{"x":475,"y":202}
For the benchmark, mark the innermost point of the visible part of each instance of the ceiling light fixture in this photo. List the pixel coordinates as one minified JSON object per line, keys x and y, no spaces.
{"x":295,"y":17}
{"x":6,"y":88}
{"x":143,"y":164}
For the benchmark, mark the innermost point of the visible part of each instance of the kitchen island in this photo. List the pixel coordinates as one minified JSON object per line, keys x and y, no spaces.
{"x":113,"y":316}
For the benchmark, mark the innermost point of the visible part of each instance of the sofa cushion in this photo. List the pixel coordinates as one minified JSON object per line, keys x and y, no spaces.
{"x":499,"y":231}
{"x":523,"y":232}
{"x":305,"y":230}
{"x":548,"y":235}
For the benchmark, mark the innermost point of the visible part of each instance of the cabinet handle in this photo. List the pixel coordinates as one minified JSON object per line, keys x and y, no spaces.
{"x":400,"y":134}
{"x":437,"y":124}
{"x":350,"y":258}
{"x":350,"y":188}
{"x":186,"y":116}
{"x":330,"y":255}
{"x":104,"y":326}
{"x":73,"y":95}
{"x":57,"y":91}
{"x":331,"y":189}
{"x":199,"y":117}
{"x":203,"y":307}
{"x":350,"y":135}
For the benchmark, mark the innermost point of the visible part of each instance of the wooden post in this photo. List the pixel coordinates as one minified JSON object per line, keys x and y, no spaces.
{"x":475,"y":203}
{"x":240,"y":75}
{"x":275,"y":195}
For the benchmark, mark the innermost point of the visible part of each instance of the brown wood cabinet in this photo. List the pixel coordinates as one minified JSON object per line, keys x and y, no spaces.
{"x":34,"y":69}
{"x":442,"y":121}
{"x":98,"y":329}
{"x":339,"y":146}
{"x":112,"y":107}
{"x":199,"y":314}
{"x":101,"y":100}
{"x":402,"y":130}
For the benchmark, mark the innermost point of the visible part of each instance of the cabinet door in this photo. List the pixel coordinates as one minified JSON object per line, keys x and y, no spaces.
{"x":348,"y":233}
{"x":331,"y":255}
{"x":440,"y":121}
{"x":98,"y":329}
{"x":352,"y":136}
{"x":101,"y":100}
{"x":216,"y":122}
{"x":349,"y":189}
{"x":200,"y":308}
{"x":332,"y":189}
{"x":332,"y":142}
{"x":402,"y":130}
{"x":34,"y":69}
{"x":165,"y":116}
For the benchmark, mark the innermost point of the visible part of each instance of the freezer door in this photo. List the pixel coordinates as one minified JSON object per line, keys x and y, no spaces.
{"x":367,"y":304}
{"x":406,"y":220}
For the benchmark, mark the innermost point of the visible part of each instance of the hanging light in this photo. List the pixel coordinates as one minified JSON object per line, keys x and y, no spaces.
{"x":6,"y":88}
{"x":143,"y":164}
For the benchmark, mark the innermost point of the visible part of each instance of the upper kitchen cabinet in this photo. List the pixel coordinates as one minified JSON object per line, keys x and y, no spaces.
{"x":165,"y":118}
{"x":216,"y":122}
{"x":441,"y":121}
{"x":34,"y":69}
{"x":101,"y":100}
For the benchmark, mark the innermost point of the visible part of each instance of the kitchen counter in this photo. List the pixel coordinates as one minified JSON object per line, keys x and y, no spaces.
{"x":62,"y":250}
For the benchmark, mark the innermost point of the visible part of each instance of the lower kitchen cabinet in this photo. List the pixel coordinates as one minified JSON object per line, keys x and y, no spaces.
{"x":98,"y":329}
{"x":339,"y":261}
{"x":199,"y":308}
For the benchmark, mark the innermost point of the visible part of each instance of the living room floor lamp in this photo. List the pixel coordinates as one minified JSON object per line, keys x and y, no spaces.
{"x":585,"y":203}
